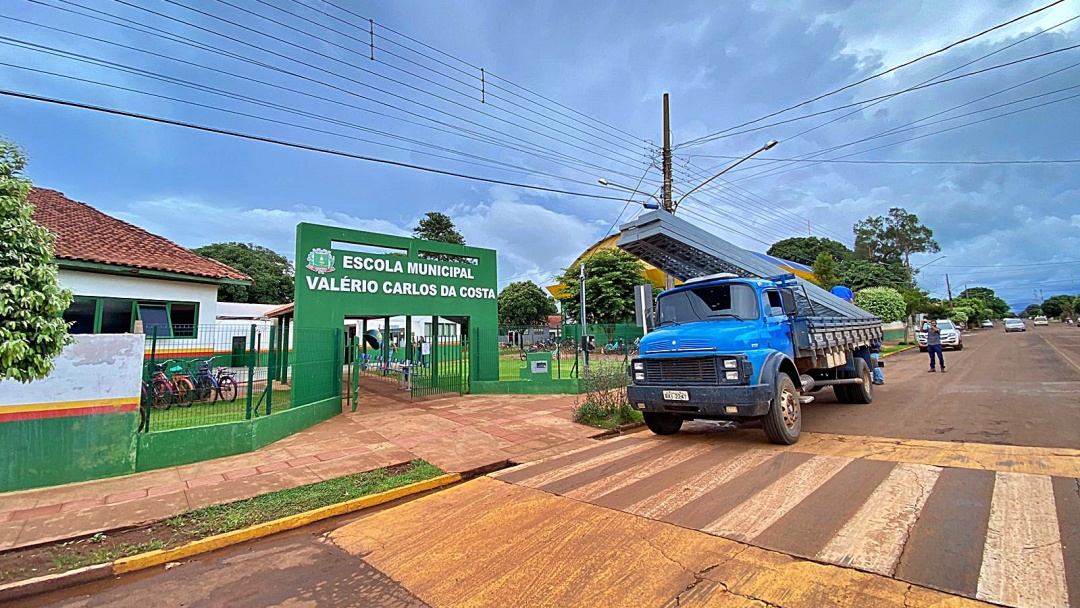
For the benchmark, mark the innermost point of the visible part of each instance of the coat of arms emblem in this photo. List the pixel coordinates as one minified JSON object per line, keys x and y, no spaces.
{"x":320,"y":261}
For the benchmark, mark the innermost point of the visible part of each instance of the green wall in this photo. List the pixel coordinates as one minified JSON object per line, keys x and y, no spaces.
{"x":184,"y":446}
{"x":54,"y":451}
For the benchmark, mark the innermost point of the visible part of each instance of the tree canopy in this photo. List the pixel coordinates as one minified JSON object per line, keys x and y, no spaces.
{"x":893,"y":238}
{"x":825,"y":271}
{"x":997,"y":307}
{"x":1033,"y":310}
{"x":610,"y":277}
{"x":523,"y":303}
{"x":860,"y":274}
{"x":272,"y":273}
{"x":435,"y":226}
{"x":32,"y":304}
{"x":1058,"y":306}
{"x":806,"y":249}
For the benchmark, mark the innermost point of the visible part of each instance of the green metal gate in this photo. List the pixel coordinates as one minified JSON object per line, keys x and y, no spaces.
{"x":442,"y":366}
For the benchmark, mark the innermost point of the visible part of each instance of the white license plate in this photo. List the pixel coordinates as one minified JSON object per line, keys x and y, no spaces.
{"x":676,"y":395}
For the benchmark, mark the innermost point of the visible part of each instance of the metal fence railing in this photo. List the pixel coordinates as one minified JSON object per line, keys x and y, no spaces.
{"x":231,"y":372}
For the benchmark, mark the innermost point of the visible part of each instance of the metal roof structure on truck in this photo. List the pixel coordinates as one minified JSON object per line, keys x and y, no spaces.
{"x":685,"y":251}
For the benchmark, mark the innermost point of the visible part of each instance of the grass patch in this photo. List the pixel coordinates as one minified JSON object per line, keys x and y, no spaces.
{"x":204,"y":414}
{"x":611,"y":419}
{"x":101,"y":548}
{"x":219,"y":519}
{"x":604,"y":403}
{"x":895,"y":348}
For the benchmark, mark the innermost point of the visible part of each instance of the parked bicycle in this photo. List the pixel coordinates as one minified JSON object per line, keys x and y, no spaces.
{"x":206,"y":383}
{"x":180,"y":380}
{"x":226,"y":383}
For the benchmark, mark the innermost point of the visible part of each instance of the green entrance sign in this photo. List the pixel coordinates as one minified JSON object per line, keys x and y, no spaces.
{"x":344,"y":273}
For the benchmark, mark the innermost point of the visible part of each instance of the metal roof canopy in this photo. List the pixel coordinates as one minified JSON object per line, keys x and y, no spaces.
{"x":685,"y":251}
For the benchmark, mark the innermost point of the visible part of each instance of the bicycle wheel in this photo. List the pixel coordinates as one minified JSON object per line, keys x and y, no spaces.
{"x":161,"y":394}
{"x":226,"y":389}
{"x":185,"y":391}
{"x":207,"y":389}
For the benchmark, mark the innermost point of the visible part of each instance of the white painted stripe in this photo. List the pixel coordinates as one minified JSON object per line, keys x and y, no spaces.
{"x":617,"y":481}
{"x":665,"y":502}
{"x":875,"y":536}
{"x":1022,"y":560}
{"x":526,"y":465}
{"x":585,"y":465}
{"x":765,"y":508}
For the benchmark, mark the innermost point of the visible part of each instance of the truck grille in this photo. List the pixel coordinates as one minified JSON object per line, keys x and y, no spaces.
{"x":690,"y":370}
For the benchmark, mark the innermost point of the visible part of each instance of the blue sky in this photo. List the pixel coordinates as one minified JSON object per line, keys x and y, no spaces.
{"x":601,"y":69}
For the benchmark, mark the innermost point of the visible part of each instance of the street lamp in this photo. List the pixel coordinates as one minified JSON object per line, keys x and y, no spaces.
{"x":610,"y":184}
{"x":930,"y":262}
{"x":768,"y":146}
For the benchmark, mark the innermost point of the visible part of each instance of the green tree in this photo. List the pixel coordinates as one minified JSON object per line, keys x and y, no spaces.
{"x":524,"y":303}
{"x":885,"y":302}
{"x":860,"y":274}
{"x":610,"y":277}
{"x":893,"y":238}
{"x":32,"y":304}
{"x":977,"y":311}
{"x":435,"y":226}
{"x":271,"y":273}
{"x":806,"y":249}
{"x":1033,"y":310}
{"x":915,"y":301}
{"x":825,"y":271}
{"x":1057,"y":306}
{"x":938,"y":310}
{"x":998,"y":307}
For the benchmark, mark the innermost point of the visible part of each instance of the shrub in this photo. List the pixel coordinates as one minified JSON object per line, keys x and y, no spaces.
{"x":885,"y":302}
{"x":604,"y":403}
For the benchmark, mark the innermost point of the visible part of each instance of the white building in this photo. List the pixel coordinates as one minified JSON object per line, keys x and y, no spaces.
{"x":125,"y":278}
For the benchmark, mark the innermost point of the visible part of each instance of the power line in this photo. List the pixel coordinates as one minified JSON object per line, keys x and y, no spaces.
{"x":912,"y":162}
{"x":474,"y":67}
{"x":879,"y":98}
{"x":879,"y":74}
{"x":532,"y":148}
{"x":289,"y":144}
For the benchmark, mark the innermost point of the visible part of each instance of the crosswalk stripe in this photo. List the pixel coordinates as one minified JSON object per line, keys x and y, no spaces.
{"x":874,"y":538}
{"x":584,"y":465}
{"x":1022,"y":560}
{"x":528,"y":469}
{"x":622,"y":479}
{"x":765,"y":508}
{"x":665,"y":502}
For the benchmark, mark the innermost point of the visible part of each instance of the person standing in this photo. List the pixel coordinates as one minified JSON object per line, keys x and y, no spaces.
{"x":875,"y":355}
{"x":933,"y":344}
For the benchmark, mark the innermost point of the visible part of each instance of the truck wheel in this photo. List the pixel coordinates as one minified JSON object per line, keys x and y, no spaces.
{"x":784,"y":421}
{"x":843,"y":391}
{"x":863,"y":392}
{"x":662,"y":424}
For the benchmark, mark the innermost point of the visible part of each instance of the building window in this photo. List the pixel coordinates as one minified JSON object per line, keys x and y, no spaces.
{"x":81,"y":315}
{"x":118,"y":316}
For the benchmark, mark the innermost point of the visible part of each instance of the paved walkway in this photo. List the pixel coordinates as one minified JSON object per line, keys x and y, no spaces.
{"x":457,"y":434}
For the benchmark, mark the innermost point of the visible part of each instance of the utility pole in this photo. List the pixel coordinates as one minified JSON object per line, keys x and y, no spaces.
{"x":669,"y":281}
{"x":948,"y":288}
{"x":809,"y":232}
{"x":584,"y":333}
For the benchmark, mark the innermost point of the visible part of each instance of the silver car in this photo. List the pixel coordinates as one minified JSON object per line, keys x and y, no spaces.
{"x":1015,"y":325}
{"x":950,"y":336}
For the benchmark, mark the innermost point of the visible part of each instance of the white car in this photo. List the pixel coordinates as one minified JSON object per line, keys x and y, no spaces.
{"x":1015,"y":325}
{"x":988,"y":323}
{"x":1040,"y":320}
{"x":950,"y":336}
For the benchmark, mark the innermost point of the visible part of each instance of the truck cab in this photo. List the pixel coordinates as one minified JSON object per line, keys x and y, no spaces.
{"x":733,"y":348}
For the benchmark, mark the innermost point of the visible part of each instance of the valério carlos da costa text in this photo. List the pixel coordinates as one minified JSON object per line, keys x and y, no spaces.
{"x":322,"y":263}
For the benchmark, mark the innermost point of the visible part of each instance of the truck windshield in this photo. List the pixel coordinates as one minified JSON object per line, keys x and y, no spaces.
{"x":729,"y":301}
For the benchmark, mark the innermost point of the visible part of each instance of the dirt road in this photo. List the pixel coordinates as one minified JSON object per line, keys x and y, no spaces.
{"x":1015,"y":389}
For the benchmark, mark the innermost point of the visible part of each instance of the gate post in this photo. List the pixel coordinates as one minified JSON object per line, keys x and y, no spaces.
{"x":251,"y":370}
{"x":271,"y":369}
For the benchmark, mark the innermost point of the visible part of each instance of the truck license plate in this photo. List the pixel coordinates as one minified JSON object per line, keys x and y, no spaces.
{"x":676,"y":395}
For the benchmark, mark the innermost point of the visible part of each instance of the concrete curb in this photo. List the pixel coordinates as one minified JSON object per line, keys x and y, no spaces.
{"x":895,"y":352}
{"x":53,"y":582}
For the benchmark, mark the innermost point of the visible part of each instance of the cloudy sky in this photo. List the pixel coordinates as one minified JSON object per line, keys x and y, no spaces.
{"x":556,"y":95}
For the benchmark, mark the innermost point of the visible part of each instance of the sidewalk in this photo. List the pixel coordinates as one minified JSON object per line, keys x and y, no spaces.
{"x":457,"y":434}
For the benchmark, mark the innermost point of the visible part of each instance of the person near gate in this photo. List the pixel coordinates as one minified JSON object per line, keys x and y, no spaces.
{"x":933,"y":344}
{"x":875,"y":355}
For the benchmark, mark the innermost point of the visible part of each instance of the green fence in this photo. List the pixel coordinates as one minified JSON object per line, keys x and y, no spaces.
{"x":419,"y":365}
{"x":229,"y":373}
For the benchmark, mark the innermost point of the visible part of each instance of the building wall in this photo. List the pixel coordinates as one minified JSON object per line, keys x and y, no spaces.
{"x":79,"y":423}
{"x":118,"y":286}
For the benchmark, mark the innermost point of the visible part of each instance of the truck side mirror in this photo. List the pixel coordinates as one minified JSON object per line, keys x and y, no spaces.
{"x":790,"y":307}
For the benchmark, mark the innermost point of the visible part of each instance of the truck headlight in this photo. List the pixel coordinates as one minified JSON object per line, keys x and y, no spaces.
{"x":731,"y":364}
{"x":639,"y":377}
{"x":731,"y":375}
{"x":639,"y":366}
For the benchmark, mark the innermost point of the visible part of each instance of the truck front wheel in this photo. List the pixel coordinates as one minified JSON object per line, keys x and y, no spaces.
{"x":783,"y":423}
{"x":662,"y":424}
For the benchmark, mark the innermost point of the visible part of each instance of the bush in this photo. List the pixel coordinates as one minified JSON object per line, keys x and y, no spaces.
{"x":604,"y":404}
{"x":885,"y":302}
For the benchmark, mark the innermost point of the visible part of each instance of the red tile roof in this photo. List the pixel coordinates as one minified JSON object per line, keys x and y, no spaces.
{"x":88,"y":235}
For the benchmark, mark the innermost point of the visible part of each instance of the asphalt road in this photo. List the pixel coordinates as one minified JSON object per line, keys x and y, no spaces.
{"x":1015,"y":389}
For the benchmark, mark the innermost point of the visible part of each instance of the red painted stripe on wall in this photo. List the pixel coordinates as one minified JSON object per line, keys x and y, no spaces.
{"x":80,"y":411}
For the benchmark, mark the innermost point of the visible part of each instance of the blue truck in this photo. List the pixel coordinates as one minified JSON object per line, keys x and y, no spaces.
{"x":748,"y":345}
